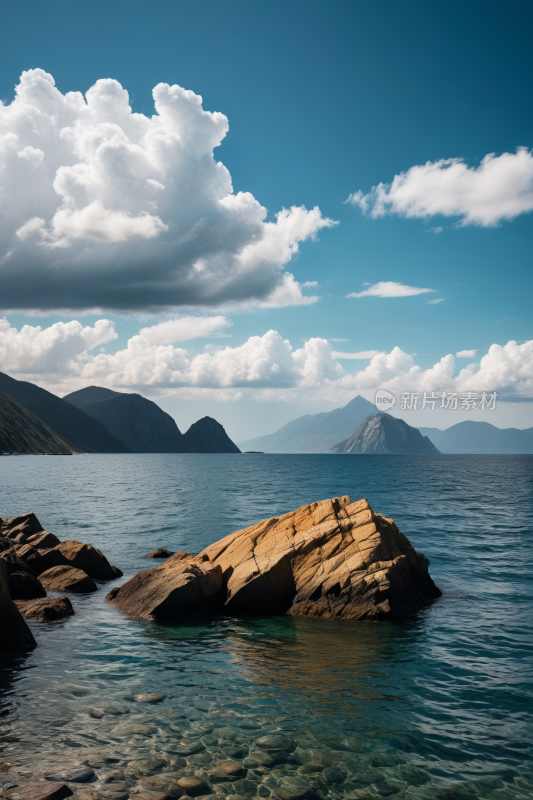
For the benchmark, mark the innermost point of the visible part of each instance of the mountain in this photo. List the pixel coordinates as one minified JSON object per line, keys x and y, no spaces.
{"x":381,"y":433}
{"x":23,"y":432}
{"x":314,"y":433}
{"x":136,"y":421}
{"x":208,"y":436}
{"x":470,"y":436}
{"x":79,"y":430}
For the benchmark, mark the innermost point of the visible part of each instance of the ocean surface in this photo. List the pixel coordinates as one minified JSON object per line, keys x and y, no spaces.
{"x":438,"y":707}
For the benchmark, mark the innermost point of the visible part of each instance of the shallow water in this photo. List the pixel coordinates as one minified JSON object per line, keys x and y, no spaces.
{"x":439,"y":706}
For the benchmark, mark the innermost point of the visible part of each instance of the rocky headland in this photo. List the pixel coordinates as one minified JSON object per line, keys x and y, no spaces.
{"x":332,"y":559}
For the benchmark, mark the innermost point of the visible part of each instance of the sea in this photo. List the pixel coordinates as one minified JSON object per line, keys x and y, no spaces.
{"x":437,"y":707}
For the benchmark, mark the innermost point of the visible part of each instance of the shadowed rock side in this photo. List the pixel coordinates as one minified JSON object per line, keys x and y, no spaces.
{"x":383,"y":434}
{"x":208,"y":436}
{"x":23,"y":432}
{"x":333,"y":559}
{"x":135,"y":420}
{"x":15,"y":636}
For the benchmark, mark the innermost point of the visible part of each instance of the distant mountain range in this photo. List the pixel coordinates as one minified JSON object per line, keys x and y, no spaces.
{"x":78,"y":429}
{"x":314,"y":433}
{"x":470,"y":436}
{"x":23,"y":432}
{"x":136,"y":421}
{"x":382,"y":434}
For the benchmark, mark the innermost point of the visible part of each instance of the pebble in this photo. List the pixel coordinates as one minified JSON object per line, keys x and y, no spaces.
{"x":73,"y":689}
{"x":294,"y":788}
{"x":275,"y":741}
{"x":147,"y":766}
{"x":134,"y":728}
{"x":186,"y":748}
{"x":258,"y":759}
{"x":334,"y":775}
{"x":319,"y":757}
{"x":225,"y":733}
{"x":149,"y":697}
{"x":194,"y":786}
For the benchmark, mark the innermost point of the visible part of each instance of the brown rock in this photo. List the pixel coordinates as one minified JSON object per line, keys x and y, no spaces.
{"x":15,"y":636}
{"x":150,"y":796}
{"x":23,"y":523}
{"x":161,"y":552}
{"x":88,"y":558}
{"x":46,"y":610}
{"x":53,"y":558}
{"x":14,"y":563}
{"x":38,"y":790}
{"x":43,"y":540}
{"x":332,"y":559}
{"x":31,"y":557}
{"x":179,"y":587}
{"x":23,"y":586}
{"x":117,"y":573}
{"x":67,"y":579}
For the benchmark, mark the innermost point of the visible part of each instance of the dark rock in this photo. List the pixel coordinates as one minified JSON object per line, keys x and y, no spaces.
{"x":48,"y":609}
{"x":14,"y":563}
{"x":67,"y":579}
{"x":293,"y":788}
{"x":23,"y":586}
{"x":87,"y":558}
{"x":31,"y":557}
{"x":161,"y":552}
{"x":334,"y":775}
{"x":38,"y":790}
{"x":153,"y":796}
{"x":53,"y":558}
{"x":208,"y":436}
{"x":22,"y":523}
{"x":43,"y":540}
{"x":15,"y":636}
{"x":117,"y":573}
{"x":76,"y":775}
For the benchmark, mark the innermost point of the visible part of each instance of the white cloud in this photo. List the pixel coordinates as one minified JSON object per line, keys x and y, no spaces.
{"x":361,"y":355}
{"x":437,"y":300}
{"x":501,"y":188}
{"x":111,"y":209}
{"x":466,"y":354}
{"x":390,"y":289}
{"x":60,"y":358}
{"x":184,"y":328}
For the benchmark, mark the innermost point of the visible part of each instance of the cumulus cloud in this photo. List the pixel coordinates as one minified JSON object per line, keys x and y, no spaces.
{"x":104,"y":208}
{"x":501,"y":188}
{"x":390,"y":289}
{"x":60,"y":358}
{"x":466,"y":354}
{"x":185,"y":328}
{"x":361,"y":355}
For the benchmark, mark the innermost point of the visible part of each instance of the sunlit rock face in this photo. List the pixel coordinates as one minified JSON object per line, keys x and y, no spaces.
{"x":333,"y":559}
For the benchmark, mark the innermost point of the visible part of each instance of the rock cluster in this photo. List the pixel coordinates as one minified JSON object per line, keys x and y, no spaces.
{"x":33,"y":561}
{"x":333,"y":559}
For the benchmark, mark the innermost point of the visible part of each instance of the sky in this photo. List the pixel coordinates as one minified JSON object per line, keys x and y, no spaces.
{"x":260,"y":210}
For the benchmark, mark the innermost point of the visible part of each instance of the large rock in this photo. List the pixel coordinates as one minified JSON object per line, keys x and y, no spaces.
{"x":182,"y":585}
{"x":47,"y":609}
{"x":87,"y":558}
{"x":38,"y":790}
{"x":43,"y":540}
{"x":23,"y":586}
{"x":67,"y":579}
{"x":53,"y":558}
{"x":31,"y":557}
{"x":26,"y":524}
{"x":333,"y":559}
{"x":15,"y":636}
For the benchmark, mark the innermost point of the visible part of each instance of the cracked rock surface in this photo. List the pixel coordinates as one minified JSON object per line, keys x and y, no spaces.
{"x":333,"y":559}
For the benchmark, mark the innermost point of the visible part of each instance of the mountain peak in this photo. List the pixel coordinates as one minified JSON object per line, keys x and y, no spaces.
{"x":381,"y":433}
{"x":208,"y":436}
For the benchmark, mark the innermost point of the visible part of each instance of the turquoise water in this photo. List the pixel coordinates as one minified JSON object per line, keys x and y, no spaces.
{"x":438,"y":707}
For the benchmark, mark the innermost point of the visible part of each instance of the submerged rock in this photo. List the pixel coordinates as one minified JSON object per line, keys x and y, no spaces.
{"x":75,"y":775}
{"x":161,"y":552}
{"x":67,"y":579}
{"x":47,"y":609}
{"x":38,"y":790}
{"x":333,"y":559}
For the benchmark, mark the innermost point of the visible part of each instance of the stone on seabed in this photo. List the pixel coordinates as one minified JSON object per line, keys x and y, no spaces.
{"x":333,"y":559}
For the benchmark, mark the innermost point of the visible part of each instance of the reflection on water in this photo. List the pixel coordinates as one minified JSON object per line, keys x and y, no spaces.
{"x":436,"y":707}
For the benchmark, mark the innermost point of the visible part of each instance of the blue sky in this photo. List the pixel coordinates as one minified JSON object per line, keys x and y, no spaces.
{"x":323,"y":99}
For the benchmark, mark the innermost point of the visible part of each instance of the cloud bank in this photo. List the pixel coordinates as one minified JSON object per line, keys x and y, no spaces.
{"x":60,"y":358}
{"x":501,"y":188}
{"x":104,"y":208}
